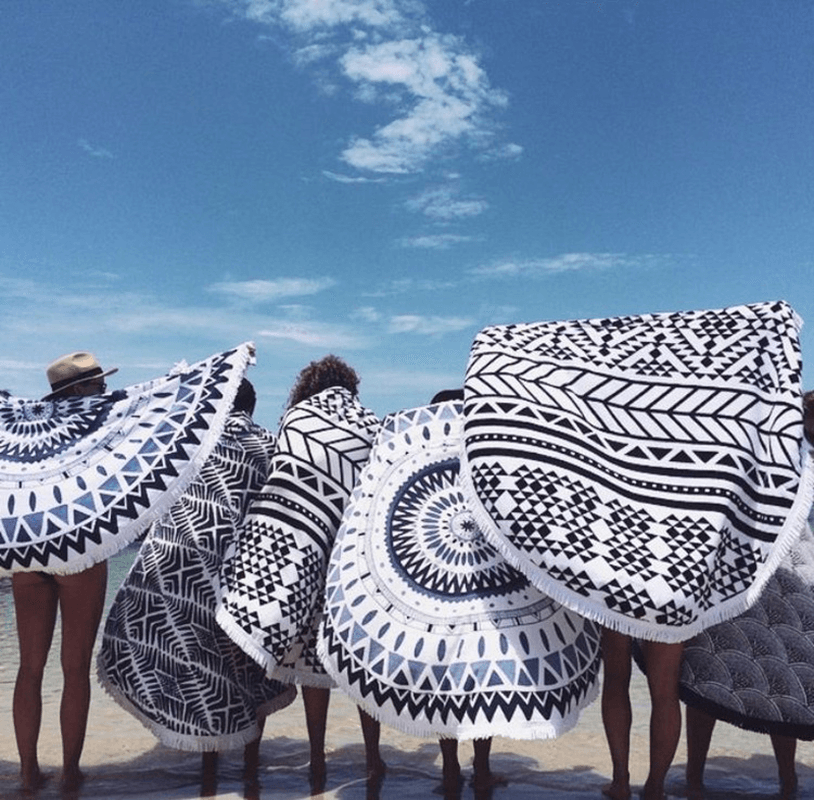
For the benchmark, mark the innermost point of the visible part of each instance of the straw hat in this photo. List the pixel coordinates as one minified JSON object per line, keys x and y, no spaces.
{"x":74,"y":368}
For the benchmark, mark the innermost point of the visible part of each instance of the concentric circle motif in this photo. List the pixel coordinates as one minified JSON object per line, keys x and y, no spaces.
{"x":426,"y":626}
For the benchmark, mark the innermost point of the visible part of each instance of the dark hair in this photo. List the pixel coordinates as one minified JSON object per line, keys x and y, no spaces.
{"x":245,"y":399}
{"x":808,"y":416}
{"x":319,"y":375}
{"x":447,"y":394}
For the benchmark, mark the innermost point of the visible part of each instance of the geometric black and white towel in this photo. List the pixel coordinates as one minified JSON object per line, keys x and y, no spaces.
{"x":273,"y":585}
{"x":756,"y":671}
{"x":80,"y":478}
{"x":163,"y":657}
{"x":646,"y":471}
{"x":426,"y":626}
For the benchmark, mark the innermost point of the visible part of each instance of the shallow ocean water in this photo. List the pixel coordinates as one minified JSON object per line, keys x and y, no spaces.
{"x":122,"y":760}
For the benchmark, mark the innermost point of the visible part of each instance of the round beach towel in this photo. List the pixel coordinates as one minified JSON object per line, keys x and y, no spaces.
{"x":425,"y":625}
{"x":757,"y":670}
{"x":163,"y":658}
{"x":273,"y":583}
{"x":82,"y":477}
{"x":646,"y":471}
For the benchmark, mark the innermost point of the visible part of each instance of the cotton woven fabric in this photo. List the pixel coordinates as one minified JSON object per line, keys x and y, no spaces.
{"x":426,"y":626}
{"x":273,"y":585}
{"x":80,"y":478}
{"x":646,"y":471}
{"x":163,"y":657}
{"x":756,"y":671}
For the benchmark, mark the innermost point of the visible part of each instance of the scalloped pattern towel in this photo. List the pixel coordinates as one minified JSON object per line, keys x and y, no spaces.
{"x":426,"y":626}
{"x":646,"y":471}
{"x":81,"y":478}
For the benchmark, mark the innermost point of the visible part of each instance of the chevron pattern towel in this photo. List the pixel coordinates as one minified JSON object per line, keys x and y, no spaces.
{"x":163,"y":657}
{"x":273,"y":585}
{"x":425,"y":625}
{"x":82,"y":477}
{"x":646,"y":471}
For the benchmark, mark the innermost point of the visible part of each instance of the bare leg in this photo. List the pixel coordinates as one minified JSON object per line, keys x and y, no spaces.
{"x":699,"y":735}
{"x":81,"y":602}
{"x":617,"y":716}
{"x":450,"y":768}
{"x":316,"y":699}
{"x":785,"y":748}
{"x":371,"y":731}
{"x":251,"y":753}
{"x":663,"y":662}
{"x":483,"y":779}
{"x":209,"y":773}
{"x":35,"y":604}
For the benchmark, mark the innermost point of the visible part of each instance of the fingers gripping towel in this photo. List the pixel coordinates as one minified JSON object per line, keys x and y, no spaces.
{"x":163,"y":657}
{"x":426,"y":626}
{"x":646,"y":471}
{"x":82,"y":477}
{"x":273,"y":585}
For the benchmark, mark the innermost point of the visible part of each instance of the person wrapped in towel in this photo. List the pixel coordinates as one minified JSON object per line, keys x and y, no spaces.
{"x":756,"y":671}
{"x":163,"y":657}
{"x":273,"y":585}
{"x":83,"y":472}
{"x":426,"y":626}
{"x":645,"y":471}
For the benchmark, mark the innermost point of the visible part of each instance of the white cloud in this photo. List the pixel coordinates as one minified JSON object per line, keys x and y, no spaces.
{"x":415,"y":323}
{"x":313,"y":334}
{"x":265,"y":290}
{"x":444,"y":204}
{"x":366,"y":314}
{"x":335,"y":176}
{"x":96,"y":152}
{"x":567,"y":262}
{"x":390,"y":53}
{"x":439,"y":241}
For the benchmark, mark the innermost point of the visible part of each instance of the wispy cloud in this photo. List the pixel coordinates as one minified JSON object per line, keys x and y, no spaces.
{"x":567,"y":262}
{"x":405,"y":285}
{"x":445,"y":204}
{"x":339,"y":178}
{"x":314,"y":334}
{"x":439,"y":241}
{"x":427,"y":325}
{"x":390,"y":53}
{"x":263,"y":291}
{"x":93,"y":150}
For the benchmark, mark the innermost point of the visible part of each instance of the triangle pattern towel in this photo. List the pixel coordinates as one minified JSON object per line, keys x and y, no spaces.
{"x":646,"y":471}
{"x":272,"y":586}
{"x":426,"y":626}
{"x":80,"y":478}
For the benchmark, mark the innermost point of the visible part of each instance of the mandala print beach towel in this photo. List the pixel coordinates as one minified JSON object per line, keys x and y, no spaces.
{"x":273,"y":586}
{"x":163,"y":657}
{"x":757,"y":670}
{"x":426,"y":626}
{"x":646,"y":471}
{"x":80,"y":478}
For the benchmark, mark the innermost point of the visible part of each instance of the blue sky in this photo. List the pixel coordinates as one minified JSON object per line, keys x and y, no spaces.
{"x":382,"y":178}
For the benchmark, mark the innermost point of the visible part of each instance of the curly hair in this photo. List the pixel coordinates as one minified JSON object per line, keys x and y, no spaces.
{"x":319,"y":375}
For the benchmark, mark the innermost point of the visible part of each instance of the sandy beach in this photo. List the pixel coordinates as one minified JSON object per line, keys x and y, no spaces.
{"x":123,"y":760}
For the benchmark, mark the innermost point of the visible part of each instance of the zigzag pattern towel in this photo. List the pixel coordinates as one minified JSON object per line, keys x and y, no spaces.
{"x":274,"y":583}
{"x":426,"y":626}
{"x":81,"y":478}
{"x":647,"y":470}
{"x":163,"y":657}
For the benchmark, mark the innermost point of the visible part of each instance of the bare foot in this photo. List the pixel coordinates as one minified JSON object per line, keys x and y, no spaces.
{"x":788,"y":791}
{"x":33,"y":781}
{"x":488,"y":780}
{"x":72,"y":780}
{"x":318,"y":777}
{"x":617,"y":790}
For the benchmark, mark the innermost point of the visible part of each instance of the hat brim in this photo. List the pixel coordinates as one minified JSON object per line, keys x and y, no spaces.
{"x":50,"y":395}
